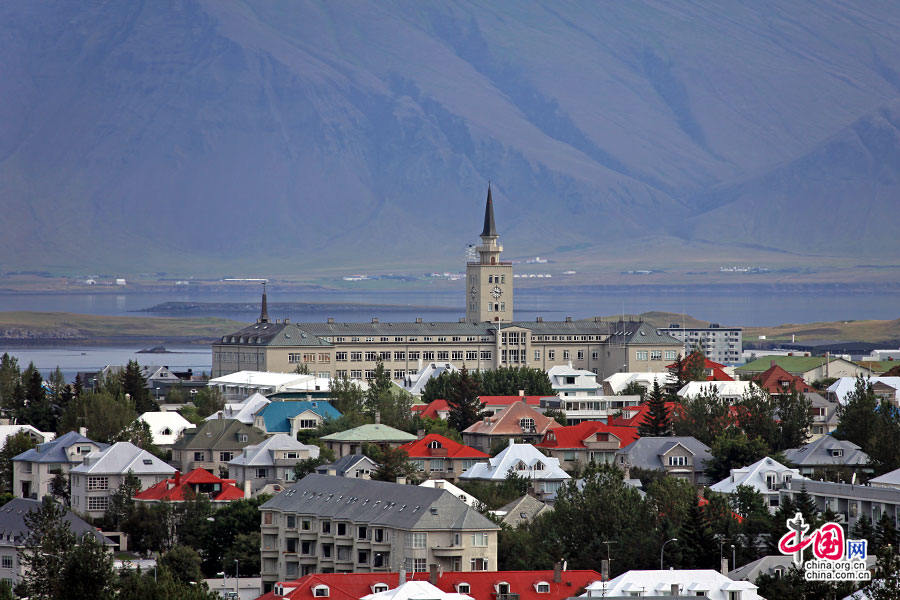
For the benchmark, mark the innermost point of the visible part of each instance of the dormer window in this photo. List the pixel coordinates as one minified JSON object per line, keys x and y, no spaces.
{"x":321,"y":591}
{"x":538,"y":466}
{"x":527,"y":424}
{"x":434,"y":444}
{"x":542,"y":587}
{"x":502,"y":587}
{"x":379,"y":587}
{"x":463,"y":588}
{"x":837,"y":451}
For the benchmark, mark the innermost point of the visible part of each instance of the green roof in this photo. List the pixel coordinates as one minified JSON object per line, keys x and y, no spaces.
{"x":791,"y":364}
{"x":219,"y":434}
{"x":371,"y":433}
{"x":878,"y":366}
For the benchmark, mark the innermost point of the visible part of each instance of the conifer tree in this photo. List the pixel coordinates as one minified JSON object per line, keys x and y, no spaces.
{"x":464,"y":401}
{"x":134,"y":384}
{"x":658,"y":421}
{"x":864,"y":530}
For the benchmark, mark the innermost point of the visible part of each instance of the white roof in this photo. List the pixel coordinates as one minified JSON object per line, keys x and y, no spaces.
{"x":312,"y":384}
{"x":263,"y":454}
{"x":41,"y":436}
{"x":845,"y":385}
{"x":726,"y":389}
{"x":659,"y":583}
{"x":583,"y":379}
{"x":425,"y":374}
{"x":259,"y":379}
{"x":754,"y":476}
{"x":891,"y":479}
{"x":165,"y":426}
{"x":120,"y":458}
{"x":619,"y":381}
{"x":521,"y":459}
{"x":417,"y":590}
{"x":443,"y":484}
{"x":243,"y":411}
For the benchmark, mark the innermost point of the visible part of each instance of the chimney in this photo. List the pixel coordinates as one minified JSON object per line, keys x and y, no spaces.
{"x":331,"y":320}
{"x":401,"y":480}
{"x":82,"y":431}
{"x":539,"y":319}
{"x":375,"y":320}
{"x":462,"y":319}
{"x":724,"y":566}
{"x":420,"y":433}
{"x":177,"y":478}
{"x":331,"y":471}
{"x":377,"y":417}
{"x":568,"y":319}
{"x":827,"y":360}
{"x":401,"y":576}
{"x":287,"y":321}
{"x":418,"y":319}
{"x":433,"y":574}
{"x":247,"y":489}
{"x":557,"y":573}
{"x":771,"y":363}
{"x":674,"y":589}
{"x":604,"y":570}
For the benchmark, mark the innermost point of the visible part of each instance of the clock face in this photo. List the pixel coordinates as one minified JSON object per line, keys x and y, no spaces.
{"x":496,"y":292}
{"x":474,"y":291}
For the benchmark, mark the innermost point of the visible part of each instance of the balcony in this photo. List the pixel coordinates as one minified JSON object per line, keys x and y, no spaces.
{"x":447,"y":551}
{"x":438,"y":452}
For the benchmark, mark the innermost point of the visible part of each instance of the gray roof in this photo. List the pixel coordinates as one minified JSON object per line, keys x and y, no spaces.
{"x":522,"y":510}
{"x":645,"y":452}
{"x":13,"y":528}
{"x":122,"y":457}
{"x":219,"y":434}
{"x":639,"y":333}
{"x":55,"y":451}
{"x":846,"y":490}
{"x":273,"y":334}
{"x":344,"y":464}
{"x":263,"y":454}
{"x":490,"y":229}
{"x":378,"y":503}
{"x":819,"y":454}
{"x":767,"y":565}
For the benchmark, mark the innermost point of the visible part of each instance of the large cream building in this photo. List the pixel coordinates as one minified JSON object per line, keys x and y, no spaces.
{"x":486,"y":338}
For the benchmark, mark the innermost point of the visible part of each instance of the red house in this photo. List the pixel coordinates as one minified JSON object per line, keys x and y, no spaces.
{"x":197,"y":482}
{"x":776,"y":380}
{"x":589,"y":441}
{"x":442,"y":458}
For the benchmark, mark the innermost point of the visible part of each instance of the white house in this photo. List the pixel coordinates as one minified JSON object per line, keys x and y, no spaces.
{"x":731,"y":391}
{"x":243,"y":411}
{"x":887,"y":388}
{"x":569,"y":381}
{"x":443,"y":484}
{"x":766,"y":476}
{"x":615,"y":383}
{"x":269,"y":464}
{"x":705,"y":583}
{"x":102,"y":472}
{"x":38,"y":436}
{"x":524,"y":460}
{"x":165,"y":427}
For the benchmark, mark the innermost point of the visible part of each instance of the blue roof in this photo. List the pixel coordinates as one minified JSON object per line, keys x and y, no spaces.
{"x":276,"y":414}
{"x":55,"y":451}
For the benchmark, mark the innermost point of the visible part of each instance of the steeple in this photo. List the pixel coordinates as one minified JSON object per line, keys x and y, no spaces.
{"x":490,"y":229}
{"x":264,"y":313}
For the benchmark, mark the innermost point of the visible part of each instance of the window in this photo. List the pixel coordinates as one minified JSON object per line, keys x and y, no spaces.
{"x":306,"y":525}
{"x":463,"y":588}
{"x":225,"y":456}
{"x":370,"y":373}
{"x":471,"y":354}
{"x":551,"y":354}
{"x":371,"y":356}
{"x":291,"y":545}
{"x":308,"y":548}
{"x":362,"y":557}
{"x":267,"y":518}
{"x":384,"y":339}
{"x":362,"y":533}
{"x":356,"y":356}
{"x":399,"y":373}
{"x":670,"y":355}
{"x":326,"y":527}
{"x":342,"y":529}
{"x":595,"y":354}
{"x":542,"y":587}
{"x":428,"y":355}
{"x":537,"y":355}
{"x":97,"y":503}
{"x":340,"y":356}
{"x":442,"y":338}
{"x":307,"y":424}
{"x":443,"y":355}
{"x":485,"y":355}
{"x":527,"y":424}
{"x":321,"y":591}
{"x":262,"y":473}
{"x":479,"y":564}
{"x":98,"y":483}
{"x":291,"y":521}
{"x":384,"y":356}
{"x":416,"y":565}
{"x":379,"y":535}
{"x":480,"y":540}
{"x":326,"y":550}
{"x":416,"y":540}
{"x":399,"y":355}
{"x":656,"y":355}
{"x":677,"y":461}
{"x":294,"y":358}
{"x":581,"y":355}
{"x":414,"y":355}
{"x":437,"y":465}
{"x":7,"y":562}
{"x":640,"y":355}
{"x":456,"y":355}
{"x":418,"y":464}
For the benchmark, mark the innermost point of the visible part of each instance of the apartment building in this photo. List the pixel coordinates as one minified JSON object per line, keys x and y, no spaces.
{"x":721,"y":344}
{"x":486,"y":338}
{"x":34,"y":469}
{"x":327,"y":524}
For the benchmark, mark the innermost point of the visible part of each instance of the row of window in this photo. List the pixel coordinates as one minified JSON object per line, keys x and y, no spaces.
{"x":402,"y":356}
{"x":655,"y":354}
{"x":440,"y":465}
{"x":401,"y":339}
{"x":308,"y":357}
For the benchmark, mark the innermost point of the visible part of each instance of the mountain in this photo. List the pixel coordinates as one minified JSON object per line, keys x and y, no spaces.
{"x":285,"y":136}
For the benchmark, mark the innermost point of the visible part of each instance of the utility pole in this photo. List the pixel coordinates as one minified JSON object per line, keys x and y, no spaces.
{"x":605,"y":576}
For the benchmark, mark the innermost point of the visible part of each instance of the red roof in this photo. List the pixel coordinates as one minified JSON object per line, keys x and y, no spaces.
{"x":776,"y":380}
{"x":507,"y":400}
{"x":573,"y":436}
{"x":352,"y":586}
{"x":633,"y":416}
{"x":715,"y":371}
{"x":198,"y":480}
{"x":432,"y":409}
{"x":447,"y":448}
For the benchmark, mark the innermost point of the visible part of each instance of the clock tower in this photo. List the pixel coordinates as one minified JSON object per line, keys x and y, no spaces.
{"x":489,"y":282}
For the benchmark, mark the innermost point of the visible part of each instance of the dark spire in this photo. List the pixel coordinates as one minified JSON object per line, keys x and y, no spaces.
{"x":264,"y":313}
{"x":490,"y":230}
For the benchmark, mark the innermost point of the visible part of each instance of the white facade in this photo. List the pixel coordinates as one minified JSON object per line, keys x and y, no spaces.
{"x":568,"y":381}
{"x":524,"y":460}
{"x":690,"y":582}
{"x":617,"y":382}
{"x":766,"y":476}
{"x":165,"y":427}
{"x":720,"y":344}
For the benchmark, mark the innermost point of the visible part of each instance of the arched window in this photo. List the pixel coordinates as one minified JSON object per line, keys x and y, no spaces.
{"x":433,"y":444}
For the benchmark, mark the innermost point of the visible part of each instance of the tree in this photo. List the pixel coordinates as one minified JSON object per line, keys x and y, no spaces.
{"x":138,"y":433}
{"x":672,"y":498}
{"x":493,"y":495}
{"x":15,"y":445}
{"x":306,"y":466}
{"x":209,"y":400}
{"x":440,"y":427}
{"x":392,"y":404}
{"x":699,"y":544}
{"x":658,"y":421}
{"x":77,"y":386}
{"x":794,"y":420}
{"x":244,"y":549}
{"x":60,"y":487}
{"x":347,"y":396}
{"x":756,"y":415}
{"x":704,"y":416}
{"x":634,"y":389}
{"x":161,"y":585}
{"x":235,"y":525}
{"x":436,"y":387}
{"x":732,"y":449}
{"x":135,"y":385}
{"x":855,"y":416}
{"x":88,"y":572}
{"x":104,"y":415}
{"x":509,"y":381}
{"x":886,"y":584}
{"x":39,"y":410}
{"x":150,"y":527}
{"x":302,"y":369}
{"x":175,"y":395}
{"x":557,"y":415}
{"x":463,"y":398}
{"x":10,"y":377}
{"x":393,"y":463}
{"x":121,"y":501}
{"x":884,"y":447}
{"x":184,"y":564}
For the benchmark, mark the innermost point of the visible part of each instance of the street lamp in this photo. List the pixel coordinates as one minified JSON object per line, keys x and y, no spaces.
{"x":662,"y":551}
{"x":733,"y":562}
{"x":237,"y":579}
{"x":224,"y":581}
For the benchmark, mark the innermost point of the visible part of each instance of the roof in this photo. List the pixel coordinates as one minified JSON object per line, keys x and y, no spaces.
{"x":55,"y":451}
{"x":352,"y":586}
{"x":372,"y":432}
{"x":432,"y":409}
{"x":821,"y":452}
{"x":258,"y":379}
{"x":689,"y":581}
{"x":416,"y":590}
{"x":773,"y":381}
{"x":510,"y":400}
{"x":14,"y":530}
{"x":443,"y":484}
{"x":642,"y":334}
{"x":724,"y":388}
{"x":428,"y":372}
{"x":9,"y":430}
{"x":165,"y":427}
{"x":273,"y":334}
{"x":845,"y":385}
{"x":767,"y":565}
{"x":521,"y":510}
{"x":619,"y":381}
{"x":263,"y":454}
{"x":634,"y":416}
{"x":490,"y":229}
{"x":173,"y":489}
{"x":791,"y":364}
{"x":523,"y":459}
{"x":120,"y":458}
{"x":346,"y":463}
{"x":379,"y":503}
{"x":646,"y":452}
{"x":573,"y":436}
{"x":754,"y":476}
{"x":891,"y":479}
{"x":509,"y":422}
{"x":219,"y":434}
{"x":447,"y":448}
{"x":277,"y":415}
{"x":243,"y":411}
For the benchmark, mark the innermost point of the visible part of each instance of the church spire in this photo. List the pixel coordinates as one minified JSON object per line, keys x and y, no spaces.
{"x":490,"y":229}
{"x":264,"y":313}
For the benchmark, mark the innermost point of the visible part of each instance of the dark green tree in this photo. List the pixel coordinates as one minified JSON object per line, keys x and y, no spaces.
{"x":208,"y":400}
{"x":795,"y":420}
{"x":60,"y":487}
{"x":509,"y":381}
{"x":121,"y":502}
{"x":463,"y":398}
{"x":756,"y":415}
{"x":10,"y":377}
{"x":184,"y":564}
{"x":436,"y":387}
{"x":864,"y":530}
{"x":304,"y":467}
{"x":347,"y":396}
{"x":672,"y":498}
{"x":658,"y":421}
{"x":856,"y":421}
{"x":138,"y":433}
{"x":886,"y":583}
{"x":558,"y":415}
{"x":77,"y":386}
{"x":634,"y":389}
{"x":704,"y":416}
{"x":732,"y":449}
{"x":886,"y":532}
{"x":104,"y":415}
{"x":15,"y":444}
{"x":698,"y":543}
{"x":393,"y":463}
{"x":884,"y":446}
{"x":244,"y":549}
{"x":135,"y":385}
